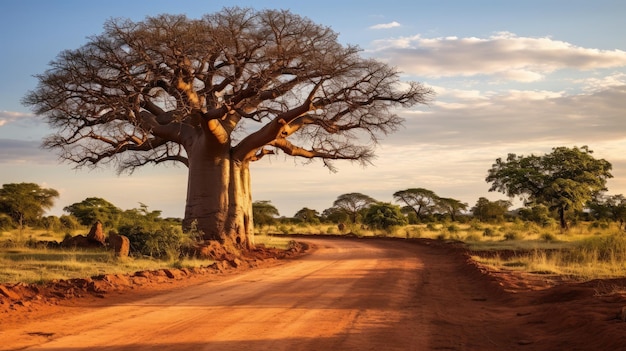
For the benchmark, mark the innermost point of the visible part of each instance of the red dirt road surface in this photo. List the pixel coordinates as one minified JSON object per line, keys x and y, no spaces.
{"x":342,"y":295}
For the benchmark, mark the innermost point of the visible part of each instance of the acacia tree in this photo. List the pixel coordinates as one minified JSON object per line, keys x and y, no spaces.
{"x":451,"y":206}
{"x":94,"y":209}
{"x":307,"y":215}
{"x":419,"y":200}
{"x":352,"y":204}
{"x":563,"y":180}
{"x":486,"y":210}
{"x":264,"y":212}
{"x":25,"y":202}
{"x":174,"y":89}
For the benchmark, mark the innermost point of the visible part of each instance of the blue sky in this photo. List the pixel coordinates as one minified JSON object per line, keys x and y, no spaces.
{"x":511,"y":77}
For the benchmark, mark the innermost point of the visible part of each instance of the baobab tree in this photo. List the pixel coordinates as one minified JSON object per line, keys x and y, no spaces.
{"x":216,"y":94}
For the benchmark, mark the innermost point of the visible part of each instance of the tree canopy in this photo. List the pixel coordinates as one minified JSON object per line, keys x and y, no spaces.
{"x":25,"y":202}
{"x":352,"y":204}
{"x":215,"y":94}
{"x":562,"y":180}
{"x":264,"y":212}
{"x":486,"y":210}
{"x":383,"y":215}
{"x":421,"y":201}
{"x":307,"y":215}
{"x":94,"y":209}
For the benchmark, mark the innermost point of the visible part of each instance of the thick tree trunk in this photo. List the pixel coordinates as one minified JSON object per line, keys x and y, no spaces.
{"x":219,"y":202}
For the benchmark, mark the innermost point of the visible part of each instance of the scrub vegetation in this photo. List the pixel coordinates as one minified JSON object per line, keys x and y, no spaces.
{"x":567,"y":226}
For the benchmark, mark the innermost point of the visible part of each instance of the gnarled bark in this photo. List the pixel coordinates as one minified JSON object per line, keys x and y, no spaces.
{"x":219,"y":202}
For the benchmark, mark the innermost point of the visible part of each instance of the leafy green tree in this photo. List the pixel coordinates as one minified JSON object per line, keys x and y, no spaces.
{"x":308,"y":215}
{"x":217,"y":93}
{"x":383,"y":215}
{"x":563,"y":180}
{"x":352,"y":204}
{"x":421,"y":201}
{"x":51,"y":223}
{"x":264,"y":212}
{"x":611,"y":207}
{"x":94,"y":209}
{"x":335,"y":215}
{"x":26,"y":202}
{"x":539,"y":214}
{"x":486,"y":210}
{"x":451,"y":207}
{"x":69,"y":223}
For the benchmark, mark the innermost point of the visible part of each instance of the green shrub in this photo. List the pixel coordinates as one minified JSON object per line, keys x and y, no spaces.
{"x":162,"y":241}
{"x":474,"y":225}
{"x":472,"y":238}
{"x":548,"y":237}
{"x":513,"y":236}
{"x":453,"y":228}
{"x":489,"y":232}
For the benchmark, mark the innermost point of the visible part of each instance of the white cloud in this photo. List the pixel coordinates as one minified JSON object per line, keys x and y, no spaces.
{"x":386,"y":25}
{"x":7,"y":117}
{"x":503,"y":55}
{"x":597,"y":84}
{"x":465,"y":120}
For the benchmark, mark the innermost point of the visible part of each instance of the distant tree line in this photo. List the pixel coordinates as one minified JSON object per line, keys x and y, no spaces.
{"x":564,"y":186}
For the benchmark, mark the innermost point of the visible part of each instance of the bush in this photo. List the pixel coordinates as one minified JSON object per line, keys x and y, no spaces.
{"x":453,"y":228}
{"x":162,"y":241}
{"x":489,"y":232}
{"x":548,"y":237}
{"x":69,"y":223}
{"x":384,"y":216}
{"x":431,"y":227}
{"x":513,"y":236}
{"x":472,"y":238}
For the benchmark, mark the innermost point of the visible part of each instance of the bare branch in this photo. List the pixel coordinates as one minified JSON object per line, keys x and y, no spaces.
{"x":152,"y":88}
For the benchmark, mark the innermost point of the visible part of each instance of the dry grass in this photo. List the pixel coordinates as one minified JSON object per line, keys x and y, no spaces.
{"x":20,"y":262}
{"x":584,"y":252}
{"x":38,"y":265}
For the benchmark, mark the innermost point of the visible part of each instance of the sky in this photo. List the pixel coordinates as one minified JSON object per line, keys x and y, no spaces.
{"x":517,"y":77}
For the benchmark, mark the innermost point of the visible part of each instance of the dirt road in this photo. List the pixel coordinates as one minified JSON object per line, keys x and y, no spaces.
{"x":345,"y":295}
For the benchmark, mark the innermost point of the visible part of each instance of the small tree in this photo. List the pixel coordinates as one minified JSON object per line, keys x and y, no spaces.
{"x":486,"y":210}
{"x":308,"y":215}
{"x":421,"y":201}
{"x":539,"y":214}
{"x":352,"y":204}
{"x":264,"y":212}
{"x":94,"y":209}
{"x":335,"y":215}
{"x":611,"y":207}
{"x":25,"y":202}
{"x":383,"y":215}
{"x":563,"y":180}
{"x":451,"y":207}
